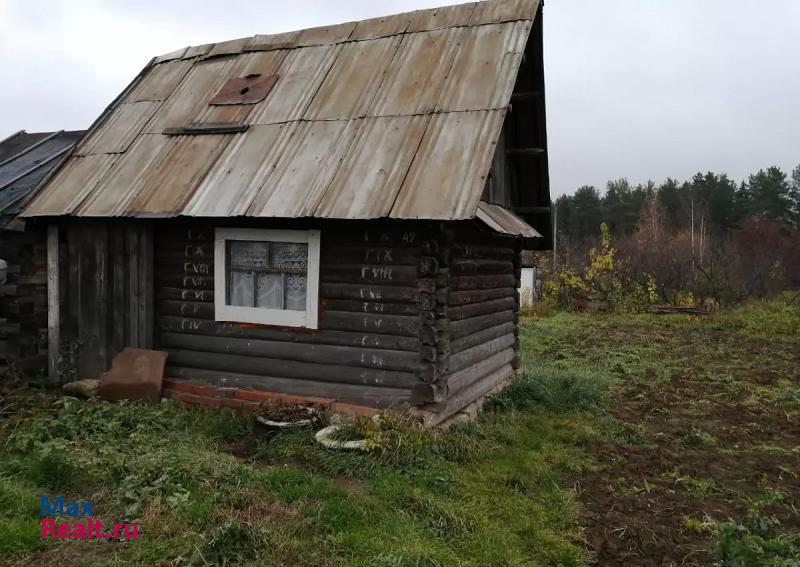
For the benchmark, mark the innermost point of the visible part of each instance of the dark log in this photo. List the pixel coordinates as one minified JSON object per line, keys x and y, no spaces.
{"x":476,"y":309}
{"x":455,"y":298}
{"x":384,"y":324}
{"x":466,"y":327}
{"x":481,"y":337}
{"x":370,"y":274}
{"x":194,"y":309}
{"x":290,"y":369}
{"x":356,"y":306}
{"x":491,"y":383}
{"x":479,"y":352}
{"x":184,"y":281}
{"x":471,"y":374}
{"x":327,"y":337}
{"x":394,"y":294}
{"x":371,"y":396}
{"x":464,"y":283}
{"x":355,"y":255}
{"x":323,"y":354}
{"x":427,"y":267}
{"x":187,"y":253}
{"x":481,"y":267}
{"x":180,"y":294}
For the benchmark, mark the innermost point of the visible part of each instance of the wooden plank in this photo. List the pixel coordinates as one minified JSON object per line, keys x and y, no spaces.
{"x":471,"y":374}
{"x":384,"y":324}
{"x":53,"y":306}
{"x":481,"y":337}
{"x":290,"y":368}
{"x":381,"y":397}
{"x":476,"y":309}
{"x":456,"y":298}
{"x":394,"y":294}
{"x":134,"y":290}
{"x":100,"y":321}
{"x":327,"y":337}
{"x":465,"y":283}
{"x":146,"y":286}
{"x":479,"y":352}
{"x":369,"y":274}
{"x":466,"y":327}
{"x":356,"y":306}
{"x":119,"y":284}
{"x":324,"y":354}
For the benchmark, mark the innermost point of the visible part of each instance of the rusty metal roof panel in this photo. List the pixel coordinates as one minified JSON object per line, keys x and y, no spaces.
{"x":126,"y":178}
{"x":325,"y":35}
{"x":443,"y":17}
{"x":380,"y":27}
{"x":268,"y":42}
{"x":484,"y":70}
{"x":350,"y":86}
{"x":447,"y":176}
{"x":119,"y":131}
{"x":506,"y":11}
{"x":368,"y":180}
{"x":198,"y":50}
{"x":502,"y":220}
{"x":159,"y":83}
{"x":300,"y":76}
{"x":230,"y":47}
{"x":191,"y":97}
{"x":394,"y":116}
{"x":168,"y":186}
{"x":71,"y":185}
{"x":172,"y":55}
{"x":412,"y":84}
{"x":237,"y":176}
{"x":298,"y":181}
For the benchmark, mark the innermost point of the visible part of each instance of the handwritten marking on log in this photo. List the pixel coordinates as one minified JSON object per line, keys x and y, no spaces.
{"x":201,"y":268}
{"x":378,"y":255}
{"x":193,"y":294}
{"x":190,"y":325}
{"x":190,"y":309}
{"x":194,"y":234}
{"x":196,"y":251}
{"x":383,"y":273}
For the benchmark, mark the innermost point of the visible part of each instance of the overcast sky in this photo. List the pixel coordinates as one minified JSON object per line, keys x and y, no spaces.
{"x":644,"y":89}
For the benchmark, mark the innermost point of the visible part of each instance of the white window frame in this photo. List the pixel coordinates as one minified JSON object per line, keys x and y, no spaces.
{"x":283,"y":317}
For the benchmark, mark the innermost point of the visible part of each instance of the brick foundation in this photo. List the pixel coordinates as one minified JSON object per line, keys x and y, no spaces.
{"x":193,"y":394}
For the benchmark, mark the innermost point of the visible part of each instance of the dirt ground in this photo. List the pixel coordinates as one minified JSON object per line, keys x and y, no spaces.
{"x":711,"y":433}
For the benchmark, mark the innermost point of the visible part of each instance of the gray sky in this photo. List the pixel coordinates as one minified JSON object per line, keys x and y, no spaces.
{"x":639,"y":88}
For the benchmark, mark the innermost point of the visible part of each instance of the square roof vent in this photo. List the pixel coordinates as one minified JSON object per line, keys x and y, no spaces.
{"x":245,"y":90}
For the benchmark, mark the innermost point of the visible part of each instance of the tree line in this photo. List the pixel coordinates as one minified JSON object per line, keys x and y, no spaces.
{"x":709,"y":237}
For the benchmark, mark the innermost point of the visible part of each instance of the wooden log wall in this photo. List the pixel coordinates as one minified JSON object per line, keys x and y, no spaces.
{"x":477,"y":315}
{"x":23,"y":300}
{"x":376,"y":342}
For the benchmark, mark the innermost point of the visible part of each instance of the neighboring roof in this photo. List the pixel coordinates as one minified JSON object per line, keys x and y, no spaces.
{"x":390,"y":117}
{"x":26,"y":159}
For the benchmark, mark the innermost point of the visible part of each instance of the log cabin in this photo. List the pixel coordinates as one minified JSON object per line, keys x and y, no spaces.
{"x":26,"y":158}
{"x":332,"y":213}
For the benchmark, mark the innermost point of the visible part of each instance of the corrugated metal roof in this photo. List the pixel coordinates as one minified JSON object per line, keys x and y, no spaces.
{"x":389,"y":117}
{"x":25,"y":160}
{"x":502,"y":220}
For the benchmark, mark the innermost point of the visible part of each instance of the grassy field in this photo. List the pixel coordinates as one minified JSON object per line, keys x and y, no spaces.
{"x":630,"y":440}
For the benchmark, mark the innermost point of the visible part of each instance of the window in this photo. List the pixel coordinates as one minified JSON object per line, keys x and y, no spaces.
{"x":266,"y":276}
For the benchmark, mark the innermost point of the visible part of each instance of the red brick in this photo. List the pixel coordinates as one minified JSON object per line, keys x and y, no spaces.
{"x":180,"y":385}
{"x":251,"y":395}
{"x":204,"y":390}
{"x":211,"y":402}
{"x":226,"y":392}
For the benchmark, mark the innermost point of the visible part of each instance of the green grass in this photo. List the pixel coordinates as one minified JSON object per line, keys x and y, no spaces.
{"x":494,"y":492}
